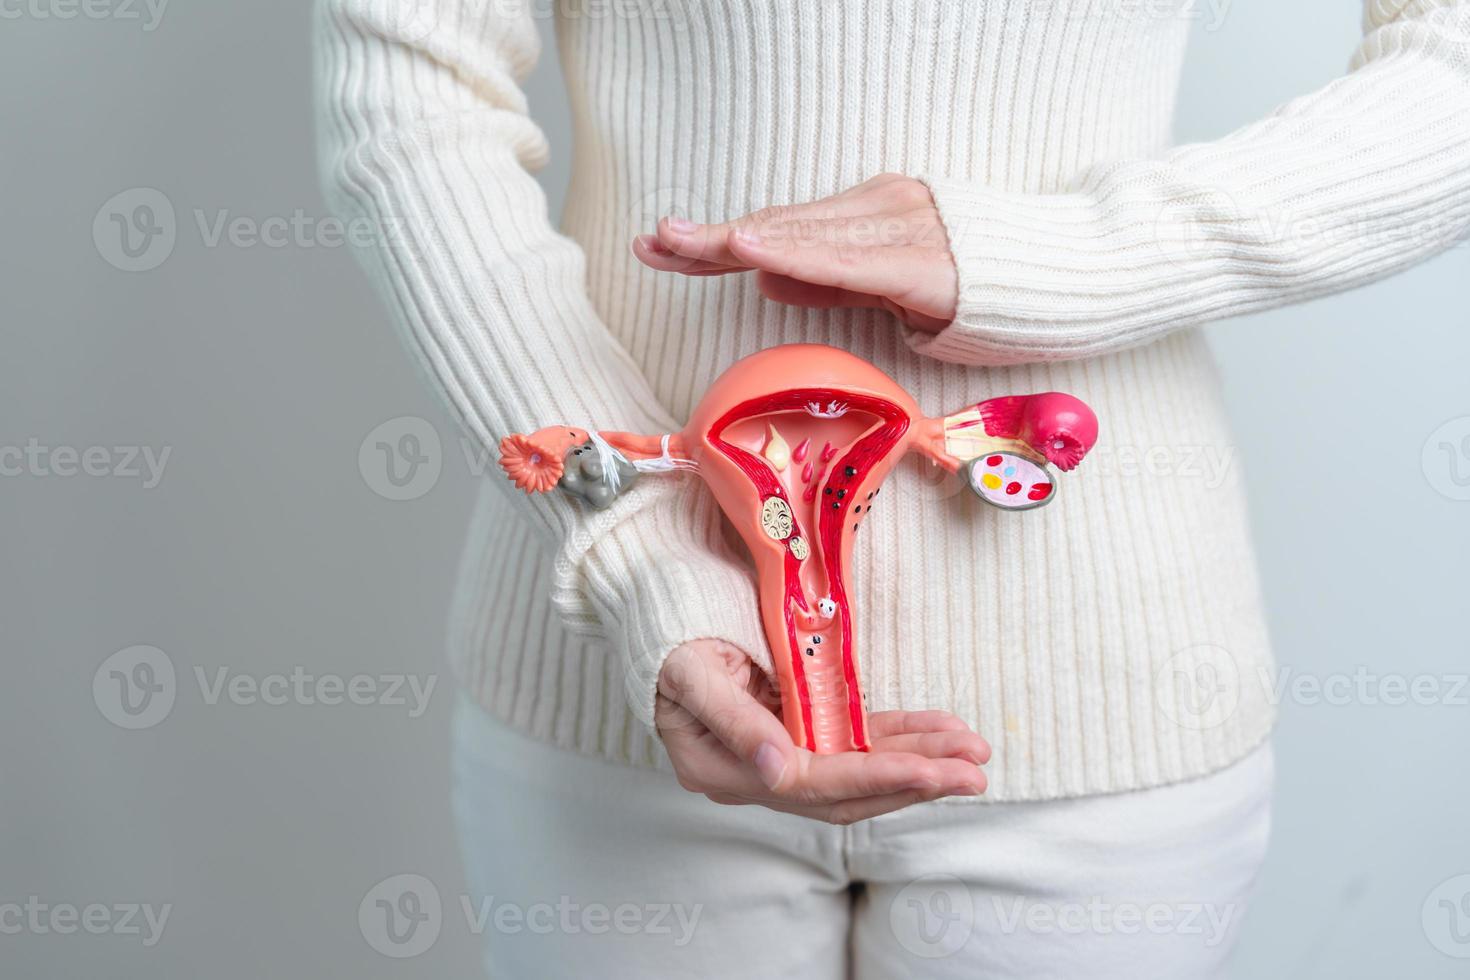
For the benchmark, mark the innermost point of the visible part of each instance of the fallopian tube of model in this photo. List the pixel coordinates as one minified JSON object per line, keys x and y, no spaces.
{"x":794,"y":442}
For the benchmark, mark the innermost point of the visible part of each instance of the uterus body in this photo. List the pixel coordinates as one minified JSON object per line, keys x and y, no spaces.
{"x":795,"y":443}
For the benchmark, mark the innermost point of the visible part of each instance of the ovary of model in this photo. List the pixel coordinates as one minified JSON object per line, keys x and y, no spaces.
{"x":795,"y":442}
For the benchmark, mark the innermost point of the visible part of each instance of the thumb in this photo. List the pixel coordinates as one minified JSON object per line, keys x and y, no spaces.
{"x":701,"y":682}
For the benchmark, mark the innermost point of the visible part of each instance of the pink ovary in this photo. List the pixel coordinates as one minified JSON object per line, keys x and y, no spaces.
{"x":800,"y":452}
{"x":806,"y":472}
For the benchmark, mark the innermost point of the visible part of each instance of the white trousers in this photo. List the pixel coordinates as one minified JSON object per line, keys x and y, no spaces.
{"x":590,"y":869}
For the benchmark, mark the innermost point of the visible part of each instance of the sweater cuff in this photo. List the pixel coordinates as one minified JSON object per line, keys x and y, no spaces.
{"x":660,"y":577}
{"x":1014,"y":281}
{"x":1046,"y":277}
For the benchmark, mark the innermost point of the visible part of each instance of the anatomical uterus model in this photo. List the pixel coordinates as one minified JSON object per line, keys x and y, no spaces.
{"x":794,"y":442}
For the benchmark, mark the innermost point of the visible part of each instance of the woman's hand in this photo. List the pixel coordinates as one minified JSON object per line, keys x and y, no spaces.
{"x":716,"y":713}
{"x":880,"y":244}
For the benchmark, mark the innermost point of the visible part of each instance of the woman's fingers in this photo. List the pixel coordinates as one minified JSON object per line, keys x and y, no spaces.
{"x":881,"y":724}
{"x":882,"y":197}
{"x":805,"y":225}
{"x":692,"y":240}
{"x":797,"y":777}
{"x":773,"y":773}
{"x":830,"y":779}
{"x":879,"y":245}
{"x":935,"y":734}
{"x":846,"y":264}
{"x":654,"y":254}
{"x":699,"y":680}
{"x":938,"y":745}
{"x":920,"y":278}
{"x":795,"y":292}
{"x":711,"y":242}
{"x":822,"y":780}
{"x":724,"y":742}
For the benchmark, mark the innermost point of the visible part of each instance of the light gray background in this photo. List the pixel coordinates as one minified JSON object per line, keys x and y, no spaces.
{"x":264,"y":548}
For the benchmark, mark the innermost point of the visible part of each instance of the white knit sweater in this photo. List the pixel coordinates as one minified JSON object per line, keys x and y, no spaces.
{"x":1110,"y":641}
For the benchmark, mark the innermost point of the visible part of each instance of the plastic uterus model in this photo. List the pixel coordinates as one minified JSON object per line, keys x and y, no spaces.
{"x":794,"y":442}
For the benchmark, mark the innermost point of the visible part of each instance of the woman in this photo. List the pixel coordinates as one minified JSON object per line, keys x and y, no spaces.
{"x":1031,"y":228}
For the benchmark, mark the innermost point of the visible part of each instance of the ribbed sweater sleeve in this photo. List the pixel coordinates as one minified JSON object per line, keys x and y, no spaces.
{"x":425,"y":134}
{"x":1331,"y":191}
